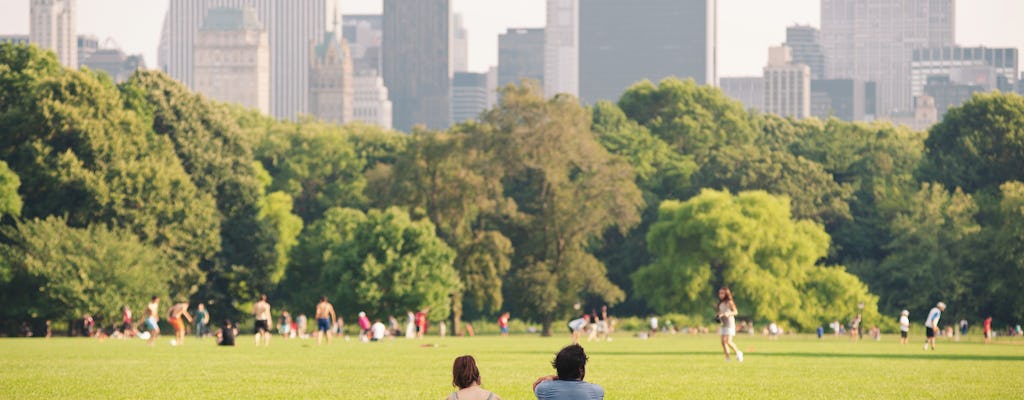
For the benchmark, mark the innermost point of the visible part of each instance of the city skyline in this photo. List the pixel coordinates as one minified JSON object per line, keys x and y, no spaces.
{"x":745,"y":27}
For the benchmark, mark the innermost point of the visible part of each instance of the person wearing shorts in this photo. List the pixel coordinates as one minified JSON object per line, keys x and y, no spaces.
{"x":174,"y":316}
{"x":904,"y":326}
{"x":152,"y":310}
{"x":727,"y":317}
{"x":261,"y":313}
{"x":931,"y":325}
{"x":324,"y":316}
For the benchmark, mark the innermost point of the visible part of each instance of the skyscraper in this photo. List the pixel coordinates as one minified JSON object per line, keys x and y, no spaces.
{"x":330,"y":79}
{"x":806,"y":44}
{"x":417,"y":62}
{"x":370,"y":100}
{"x":748,"y":90}
{"x":460,"y":46}
{"x":624,"y":42}
{"x":520,"y":56}
{"x":290,"y":25}
{"x":232,"y":58}
{"x":991,"y":68}
{"x":562,"y":48}
{"x":52,"y":27}
{"x":469,"y":95}
{"x":873,"y":40}
{"x":787,"y":86}
{"x":364,"y":34}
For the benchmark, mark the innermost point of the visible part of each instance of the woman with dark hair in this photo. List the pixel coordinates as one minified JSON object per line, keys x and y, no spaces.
{"x":466,"y":377}
{"x":727,"y":318}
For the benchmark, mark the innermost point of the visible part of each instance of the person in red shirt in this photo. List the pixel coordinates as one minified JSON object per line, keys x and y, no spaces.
{"x":421,"y":322}
{"x":988,"y":329}
{"x":503,"y":323}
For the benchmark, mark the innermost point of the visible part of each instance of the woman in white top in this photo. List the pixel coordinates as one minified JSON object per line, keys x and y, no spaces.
{"x":727,"y":317}
{"x":466,"y":377}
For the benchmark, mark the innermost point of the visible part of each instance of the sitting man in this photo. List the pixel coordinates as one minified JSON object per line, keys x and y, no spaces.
{"x":226,"y":335}
{"x":571,"y":364}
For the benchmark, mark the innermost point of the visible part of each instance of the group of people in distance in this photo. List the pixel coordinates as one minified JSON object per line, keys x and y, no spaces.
{"x":567,"y":383}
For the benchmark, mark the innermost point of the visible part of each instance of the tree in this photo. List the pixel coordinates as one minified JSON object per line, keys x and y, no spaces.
{"x":567,"y":189}
{"x":10,"y":201}
{"x":381,"y":262}
{"x":749,"y":243}
{"x":998,"y":267}
{"x":978,"y":145}
{"x":65,"y":272}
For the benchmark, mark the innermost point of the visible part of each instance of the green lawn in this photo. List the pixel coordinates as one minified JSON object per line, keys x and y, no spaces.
{"x":666,"y":367}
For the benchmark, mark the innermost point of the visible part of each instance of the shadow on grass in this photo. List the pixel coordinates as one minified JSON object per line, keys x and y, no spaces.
{"x":923,"y":355}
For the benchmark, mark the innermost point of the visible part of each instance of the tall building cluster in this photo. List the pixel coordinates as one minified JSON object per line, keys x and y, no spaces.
{"x":52,"y":27}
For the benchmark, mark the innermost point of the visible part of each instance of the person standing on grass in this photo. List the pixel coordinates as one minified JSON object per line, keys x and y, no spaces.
{"x":151,"y":315}
{"x":904,"y":326}
{"x":987,"y":329}
{"x":577,"y":326}
{"x":466,"y":377}
{"x":202,"y":319}
{"x":364,"y":327}
{"x":261,"y":313}
{"x":421,"y":322}
{"x":571,"y":365}
{"x":855,"y":328}
{"x":324,"y":316}
{"x":174,"y":315}
{"x":727,"y":318}
{"x":503,"y":323}
{"x":931,"y":324}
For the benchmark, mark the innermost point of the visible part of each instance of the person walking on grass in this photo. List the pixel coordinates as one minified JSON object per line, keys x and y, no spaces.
{"x":261,"y":313}
{"x":727,"y":319}
{"x":904,"y":326}
{"x":174,"y":315}
{"x":931,"y":324}
{"x":571,"y":365}
{"x":324,"y":315}
{"x":151,"y":315}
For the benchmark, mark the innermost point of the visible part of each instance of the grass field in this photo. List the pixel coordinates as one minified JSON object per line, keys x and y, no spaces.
{"x":665,"y":367}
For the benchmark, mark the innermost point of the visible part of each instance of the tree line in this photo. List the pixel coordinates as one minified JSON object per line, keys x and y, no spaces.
{"x":112,"y":193}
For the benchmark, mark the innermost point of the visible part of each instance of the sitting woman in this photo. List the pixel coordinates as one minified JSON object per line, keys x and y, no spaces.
{"x":466,"y":377}
{"x":226,"y":335}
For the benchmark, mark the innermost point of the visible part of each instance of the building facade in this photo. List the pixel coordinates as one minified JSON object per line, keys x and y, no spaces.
{"x":52,"y":27}
{"x":520,"y":56}
{"x":947,"y":93}
{"x":625,"y":42}
{"x":787,"y":86}
{"x":14,"y":39}
{"x":561,"y":48}
{"x":460,"y":45}
{"x":232,"y":58}
{"x":364,"y":34}
{"x":873,"y":40}
{"x":417,"y":65}
{"x":991,"y":68}
{"x":114,"y":62}
{"x":87,"y":44}
{"x":290,"y":26}
{"x":469,"y":96}
{"x":370,"y":102}
{"x":748,"y":90}
{"x":330,"y":79}
{"x":806,"y":44}
{"x":839,"y":98}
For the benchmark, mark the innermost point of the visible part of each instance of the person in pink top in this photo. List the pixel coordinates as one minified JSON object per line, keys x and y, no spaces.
{"x":364,"y":326}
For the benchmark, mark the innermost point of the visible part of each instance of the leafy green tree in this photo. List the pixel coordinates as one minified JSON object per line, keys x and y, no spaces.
{"x":1002,"y":278}
{"x":80,"y":153}
{"x":381,"y":262}
{"x":750,"y":243}
{"x":65,"y":272}
{"x":10,"y":201}
{"x":568,"y":190}
{"x":978,"y":145}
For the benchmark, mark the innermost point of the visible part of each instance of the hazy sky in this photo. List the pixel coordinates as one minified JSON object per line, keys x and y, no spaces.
{"x":746,"y":27}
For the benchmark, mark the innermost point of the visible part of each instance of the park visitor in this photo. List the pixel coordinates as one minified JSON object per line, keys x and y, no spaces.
{"x":577,"y":326}
{"x":202,"y":319}
{"x":261,"y":313}
{"x":226,"y":335}
{"x":174,"y":315}
{"x":727,"y":319}
{"x":324,"y":315}
{"x":570,"y":364}
{"x":931,"y":325}
{"x":904,"y":326}
{"x":466,"y":377}
{"x":152,"y":311}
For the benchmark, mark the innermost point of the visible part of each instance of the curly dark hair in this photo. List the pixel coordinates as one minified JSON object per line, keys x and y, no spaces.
{"x":571,"y":363}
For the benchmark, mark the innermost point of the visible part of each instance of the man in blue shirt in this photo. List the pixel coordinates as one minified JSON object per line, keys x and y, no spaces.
{"x":571,"y":364}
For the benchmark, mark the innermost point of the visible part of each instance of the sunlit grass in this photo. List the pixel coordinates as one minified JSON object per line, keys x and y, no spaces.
{"x":665,"y":367}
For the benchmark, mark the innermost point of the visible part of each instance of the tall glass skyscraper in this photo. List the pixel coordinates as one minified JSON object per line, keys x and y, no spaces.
{"x":417,"y":62}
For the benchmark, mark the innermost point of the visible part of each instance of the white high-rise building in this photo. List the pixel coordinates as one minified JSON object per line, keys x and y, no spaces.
{"x":291,"y":25}
{"x":370,"y":102}
{"x":52,"y":27}
{"x":874,"y":40}
{"x":561,"y":48}
{"x":232,"y":58}
{"x":787,"y":86}
{"x":460,"y":45}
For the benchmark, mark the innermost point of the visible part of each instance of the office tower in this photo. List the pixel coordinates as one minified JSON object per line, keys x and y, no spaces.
{"x":469,"y":96}
{"x":873,"y":40}
{"x":492,"y":86}
{"x":948,"y":93}
{"x":114,"y":62}
{"x":987,"y":67}
{"x":806,"y":44}
{"x":562,"y":48}
{"x":417,"y":62}
{"x":52,"y":27}
{"x":370,"y":102}
{"x":787,"y":86}
{"x":87,"y":44}
{"x":364,"y":34}
{"x":330,"y":79}
{"x":460,"y":46}
{"x":520,"y":56}
{"x":290,"y":25}
{"x":624,"y":42}
{"x":840,"y":98}
{"x":232,"y":58}
{"x":748,"y":90}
